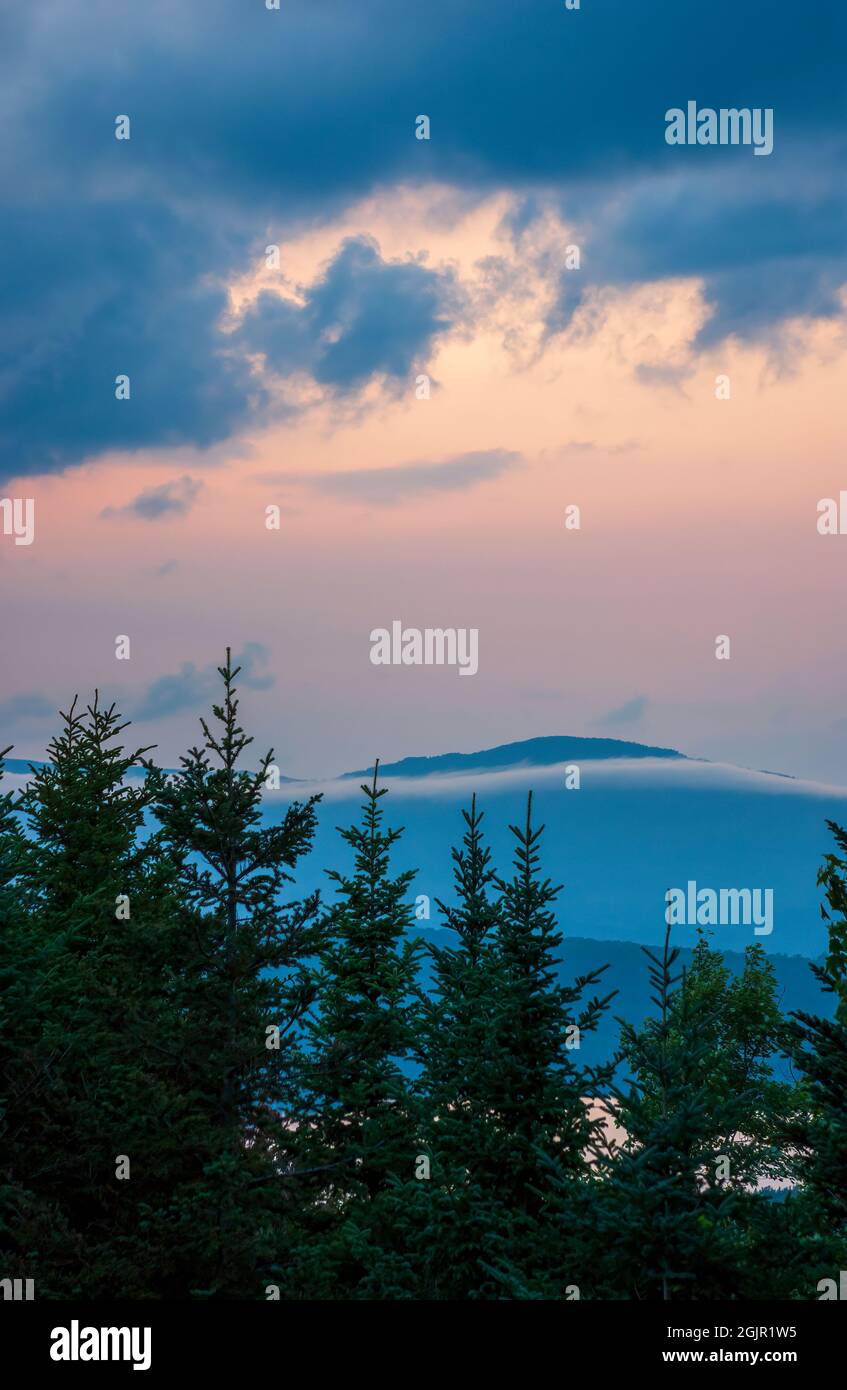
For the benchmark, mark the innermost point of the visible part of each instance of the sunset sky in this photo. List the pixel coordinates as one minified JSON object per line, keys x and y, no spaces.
{"x":256,"y":385}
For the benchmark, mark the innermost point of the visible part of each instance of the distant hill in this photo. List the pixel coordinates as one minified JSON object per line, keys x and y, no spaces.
{"x":531,"y":752}
{"x":643,"y":819}
{"x":636,"y":827}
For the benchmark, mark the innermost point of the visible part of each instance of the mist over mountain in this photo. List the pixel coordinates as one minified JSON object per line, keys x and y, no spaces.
{"x":531,"y":752}
{"x":643,"y":820}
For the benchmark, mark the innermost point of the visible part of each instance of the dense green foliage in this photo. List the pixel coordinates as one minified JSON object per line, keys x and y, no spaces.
{"x":210,"y":1088}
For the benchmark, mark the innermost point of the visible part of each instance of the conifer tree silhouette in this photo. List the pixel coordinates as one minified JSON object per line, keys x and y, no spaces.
{"x":99,"y":933}
{"x":23,"y":1215}
{"x":296,"y":1109}
{"x":463,"y":1227}
{"x":359,"y":1127}
{"x":664,"y":1216}
{"x":543,"y":1080}
{"x":244,"y":987}
{"x":819,"y":1139}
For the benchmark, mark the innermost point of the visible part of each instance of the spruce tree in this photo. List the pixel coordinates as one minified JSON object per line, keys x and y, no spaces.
{"x":666,"y":1217}
{"x":447,"y":1217}
{"x":819,"y":1050}
{"x":21,"y":1068}
{"x":542,"y":1023}
{"x":459,"y":1081}
{"x":12,"y":849}
{"x":543,"y":1089}
{"x":242,"y":991}
{"x":92,"y":1136}
{"x":742,"y":1034}
{"x":358,"y":1132}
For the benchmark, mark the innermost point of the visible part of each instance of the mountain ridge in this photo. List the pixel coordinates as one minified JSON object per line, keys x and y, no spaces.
{"x":543,"y":751}
{"x":534,"y":752}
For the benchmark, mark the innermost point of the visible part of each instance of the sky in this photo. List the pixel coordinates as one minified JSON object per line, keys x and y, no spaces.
{"x":387,"y":338}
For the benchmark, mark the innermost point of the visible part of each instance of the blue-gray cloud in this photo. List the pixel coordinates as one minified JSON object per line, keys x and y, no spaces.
{"x":175,"y":498}
{"x":364,"y":317}
{"x":768,"y":246}
{"x":391,"y":486}
{"x":30,"y":705}
{"x":319,"y":100}
{"x":248,"y":124}
{"x":131,"y":313}
{"x":192,"y":687}
{"x":632,"y":712}
{"x":120,"y":292}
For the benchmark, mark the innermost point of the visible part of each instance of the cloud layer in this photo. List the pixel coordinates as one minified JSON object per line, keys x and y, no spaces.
{"x":117,"y":255}
{"x":168,"y":499}
{"x":392,"y":486}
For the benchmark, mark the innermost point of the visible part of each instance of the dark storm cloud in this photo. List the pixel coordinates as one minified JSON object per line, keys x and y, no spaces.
{"x":768,"y":247}
{"x":107,"y":289}
{"x":363,"y":317}
{"x":114,"y":254}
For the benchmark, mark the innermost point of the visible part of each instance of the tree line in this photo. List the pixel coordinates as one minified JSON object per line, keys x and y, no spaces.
{"x":211,"y":1088}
